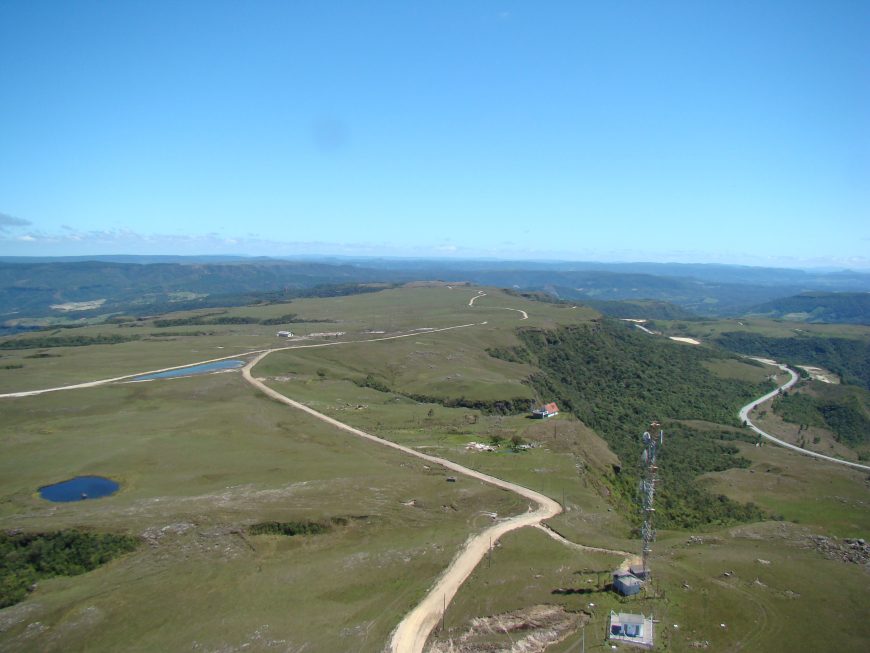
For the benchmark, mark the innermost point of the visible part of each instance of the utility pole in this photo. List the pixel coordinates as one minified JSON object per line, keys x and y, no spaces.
{"x":648,"y":488}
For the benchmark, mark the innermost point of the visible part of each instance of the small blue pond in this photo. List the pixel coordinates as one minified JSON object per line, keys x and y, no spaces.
{"x":79,"y":488}
{"x":205,"y":368}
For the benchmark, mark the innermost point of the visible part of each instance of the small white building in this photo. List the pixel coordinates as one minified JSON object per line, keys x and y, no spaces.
{"x":629,"y":628}
{"x":284,"y":334}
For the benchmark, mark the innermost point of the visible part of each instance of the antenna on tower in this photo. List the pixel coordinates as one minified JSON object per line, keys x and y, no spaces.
{"x":652,"y":441}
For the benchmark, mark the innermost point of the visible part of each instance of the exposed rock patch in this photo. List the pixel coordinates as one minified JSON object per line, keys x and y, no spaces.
{"x":531,"y":630}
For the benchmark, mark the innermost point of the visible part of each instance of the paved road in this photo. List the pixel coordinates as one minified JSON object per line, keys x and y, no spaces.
{"x":748,"y":408}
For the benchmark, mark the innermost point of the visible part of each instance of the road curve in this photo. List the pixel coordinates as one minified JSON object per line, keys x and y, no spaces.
{"x":525,"y":316}
{"x":748,"y":408}
{"x":479,"y":294}
{"x":412,"y":632}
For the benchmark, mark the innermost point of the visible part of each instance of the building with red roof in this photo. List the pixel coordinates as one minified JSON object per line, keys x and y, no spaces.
{"x":547,"y":410}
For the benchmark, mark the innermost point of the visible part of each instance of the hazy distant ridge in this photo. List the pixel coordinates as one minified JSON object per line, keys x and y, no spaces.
{"x":31,"y":288}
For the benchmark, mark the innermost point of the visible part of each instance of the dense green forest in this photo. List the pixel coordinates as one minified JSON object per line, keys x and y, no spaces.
{"x":289,"y":318}
{"x":26,"y":558}
{"x":847,"y":357}
{"x":843,"y":307}
{"x":843,"y":410}
{"x":617,"y":381}
{"x":37,"y":342}
{"x":641,"y":309}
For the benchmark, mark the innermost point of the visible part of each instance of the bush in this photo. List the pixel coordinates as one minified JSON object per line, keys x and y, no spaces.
{"x":28,"y":557}
{"x":293,"y":528}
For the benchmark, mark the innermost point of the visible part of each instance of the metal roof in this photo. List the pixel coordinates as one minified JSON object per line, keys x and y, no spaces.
{"x":626,"y":618}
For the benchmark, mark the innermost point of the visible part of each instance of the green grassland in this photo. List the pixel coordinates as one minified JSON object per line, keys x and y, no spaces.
{"x":201,"y":459}
{"x":529,"y":568}
{"x":570,"y":464}
{"x":761,"y":581}
{"x":388,"y":312}
{"x":706,"y":329}
{"x":768,"y":587}
{"x":750,"y":371}
{"x":831,"y":498}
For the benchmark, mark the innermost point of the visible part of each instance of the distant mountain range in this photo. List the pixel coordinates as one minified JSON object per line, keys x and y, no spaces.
{"x":78,"y":287}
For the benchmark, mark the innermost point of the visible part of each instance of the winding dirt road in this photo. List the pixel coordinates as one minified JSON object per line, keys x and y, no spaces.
{"x":525,"y":316}
{"x":479,"y":294}
{"x":412,"y":632}
{"x":748,"y":408}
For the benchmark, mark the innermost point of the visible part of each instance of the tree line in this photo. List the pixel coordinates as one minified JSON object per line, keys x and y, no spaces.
{"x":849,"y":358}
{"x":617,"y":381}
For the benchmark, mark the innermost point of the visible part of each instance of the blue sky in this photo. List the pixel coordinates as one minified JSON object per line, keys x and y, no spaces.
{"x":673,"y":131}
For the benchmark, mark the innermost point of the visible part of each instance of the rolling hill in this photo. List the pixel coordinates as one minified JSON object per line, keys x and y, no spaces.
{"x":839,"y":307}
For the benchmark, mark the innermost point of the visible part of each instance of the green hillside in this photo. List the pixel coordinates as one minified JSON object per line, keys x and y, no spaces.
{"x":617,"y":381}
{"x":644,"y":309}
{"x":821,"y":307}
{"x":260,"y":527}
{"x":847,"y":357}
{"x":843,"y":409}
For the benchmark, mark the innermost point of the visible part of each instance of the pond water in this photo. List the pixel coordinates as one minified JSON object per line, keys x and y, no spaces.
{"x":79,"y":488}
{"x":205,"y":368}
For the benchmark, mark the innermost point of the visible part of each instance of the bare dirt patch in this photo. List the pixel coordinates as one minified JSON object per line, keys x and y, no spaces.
{"x":530,"y":630}
{"x":67,"y":307}
{"x":819,"y":374}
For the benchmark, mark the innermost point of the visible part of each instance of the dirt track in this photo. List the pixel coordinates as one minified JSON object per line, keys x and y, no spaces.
{"x":413,"y":631}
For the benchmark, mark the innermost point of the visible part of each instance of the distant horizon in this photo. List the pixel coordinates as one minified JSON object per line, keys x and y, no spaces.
{"x":707,"y":133}
{"x":452,"y":259}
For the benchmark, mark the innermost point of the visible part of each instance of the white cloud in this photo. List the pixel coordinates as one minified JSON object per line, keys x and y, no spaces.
{"x":70,"y":242}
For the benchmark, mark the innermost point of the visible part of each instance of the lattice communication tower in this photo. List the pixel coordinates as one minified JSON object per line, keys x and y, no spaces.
{"x":652,"y":441}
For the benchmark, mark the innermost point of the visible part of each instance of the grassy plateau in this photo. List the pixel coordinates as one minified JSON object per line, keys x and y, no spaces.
{"x":203,"y":460}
